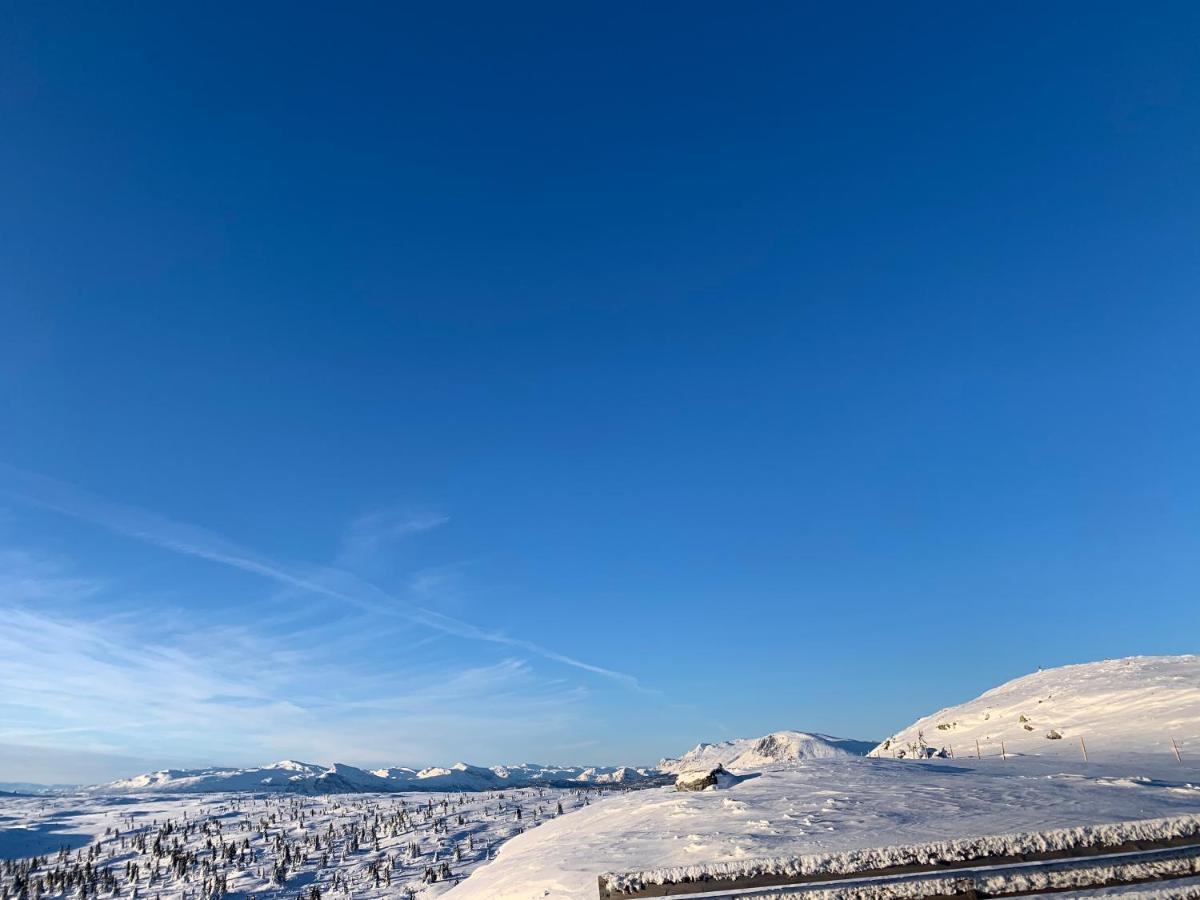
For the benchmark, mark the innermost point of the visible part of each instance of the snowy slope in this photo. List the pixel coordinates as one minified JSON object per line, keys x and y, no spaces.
{"x":309,"y":778}
{"x":751,"y":753}
{"x":826,"y":801}
{"x":1120,"y":706}
{"x":825,"y":805}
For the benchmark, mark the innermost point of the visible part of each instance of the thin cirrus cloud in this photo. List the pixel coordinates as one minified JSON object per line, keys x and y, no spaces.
{"x":105,"y":688}
{"x":371,"y":536}
{"x":332,"y":582}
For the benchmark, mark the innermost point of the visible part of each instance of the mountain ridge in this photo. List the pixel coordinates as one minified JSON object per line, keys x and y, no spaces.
{"x":289,"y":775}
{"x":313,"y":778}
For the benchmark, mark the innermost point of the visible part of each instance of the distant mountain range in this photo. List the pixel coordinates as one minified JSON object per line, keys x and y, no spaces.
{"x":314,"y":778}
{"x":29,"y":787}
{"x":311,"y":778}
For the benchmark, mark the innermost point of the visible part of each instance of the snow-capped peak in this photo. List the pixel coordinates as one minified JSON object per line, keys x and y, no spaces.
{"x":293,"y":765}
{"x":777,"y":747}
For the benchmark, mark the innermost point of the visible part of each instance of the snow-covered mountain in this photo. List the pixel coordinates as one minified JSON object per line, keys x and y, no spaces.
{"x":749,"y":753}
{"x":31,"y":787}
{"x":1133,"y":705}
{"x":284,"y":775}
{"x":309,"y":778}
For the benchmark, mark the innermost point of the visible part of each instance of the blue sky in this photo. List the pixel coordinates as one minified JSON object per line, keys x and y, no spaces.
{"x":575,"y":383}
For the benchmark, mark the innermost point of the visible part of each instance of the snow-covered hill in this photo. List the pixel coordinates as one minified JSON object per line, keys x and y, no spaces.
{"x":310,"y":778}
{"x":1127,"y":710}
{"x":749,"y":753}
{"x":1133,"y":705}
{"x":825,"y":806}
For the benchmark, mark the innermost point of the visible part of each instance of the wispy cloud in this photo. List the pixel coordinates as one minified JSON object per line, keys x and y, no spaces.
{"x":373,"y":537}
{"x":36,"y":578}
{"x":140,"y":687}
{"x":331,"y":582}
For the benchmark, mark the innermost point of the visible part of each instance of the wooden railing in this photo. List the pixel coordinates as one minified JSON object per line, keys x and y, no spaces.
{"x":1123,"y":853}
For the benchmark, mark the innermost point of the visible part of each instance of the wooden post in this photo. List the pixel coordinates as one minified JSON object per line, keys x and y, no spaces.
{"x":978,"y":755}
{"x":1003,"y":754}
{"x":1175,"y":747}
{"x":1083,"y":747}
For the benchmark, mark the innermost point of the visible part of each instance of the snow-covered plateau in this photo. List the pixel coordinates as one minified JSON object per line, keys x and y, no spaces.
{"x":826,"y":805}
{"x":794,"y":794}
{"x":1134,"y":714}
{"x":202,"y":846}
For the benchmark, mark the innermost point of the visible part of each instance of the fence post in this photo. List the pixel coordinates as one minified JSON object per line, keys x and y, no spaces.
{"x":1003,"y":754}
{"x":1083,"y":747}
{"x":978,"y":755}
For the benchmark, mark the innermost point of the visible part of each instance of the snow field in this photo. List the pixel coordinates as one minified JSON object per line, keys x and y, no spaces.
{"x":823,"y":806}
{"x":212,"y":846}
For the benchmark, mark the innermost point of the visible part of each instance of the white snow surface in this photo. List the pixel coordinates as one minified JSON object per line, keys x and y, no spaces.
{"x":459,"y":830}
{"x":310,"y":778}
{"x":828,"y":805}
{"x":1133,"y":705}
{"x":818,"y":801}
{"x":751,"y":753}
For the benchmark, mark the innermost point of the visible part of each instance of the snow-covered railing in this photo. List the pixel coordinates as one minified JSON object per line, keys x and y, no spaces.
{"x":1173,"y":871}
{"x":933,"y":857}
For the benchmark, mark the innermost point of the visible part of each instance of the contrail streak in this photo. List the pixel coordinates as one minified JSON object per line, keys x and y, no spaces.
{"x":190,"y":540}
